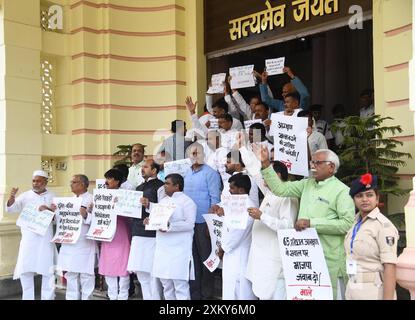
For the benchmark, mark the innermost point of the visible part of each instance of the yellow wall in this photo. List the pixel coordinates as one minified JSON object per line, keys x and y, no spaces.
{"x":392,"y":42}
{"x":122,"y":71}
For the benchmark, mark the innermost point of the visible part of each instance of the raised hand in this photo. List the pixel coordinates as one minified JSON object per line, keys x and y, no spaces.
{"x":264,"y":77}
{"x":288,"y":71}
{"x":257,"y":74}
{"x":261,"y":152}
{"x":13,"y":193}
{"x":240,"y":140}
{"x":190,"y":105}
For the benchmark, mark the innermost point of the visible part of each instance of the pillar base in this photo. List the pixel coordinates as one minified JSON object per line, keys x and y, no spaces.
{"x":405,"y":270}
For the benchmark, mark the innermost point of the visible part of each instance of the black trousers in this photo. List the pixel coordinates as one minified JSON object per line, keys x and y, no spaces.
{"x":202,"y":287}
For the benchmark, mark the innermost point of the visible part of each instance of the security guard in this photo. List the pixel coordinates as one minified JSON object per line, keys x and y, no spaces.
{"x":370,"y":246}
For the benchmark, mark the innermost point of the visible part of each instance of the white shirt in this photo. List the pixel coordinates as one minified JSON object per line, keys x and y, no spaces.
{"x":134,"y":174}
{"x":367,"y":112}
{"x":173,"y":253}
{"x":316,"y":141}
{"x":323,"y":127}
{"x":80,"y":256}
{"x":253,"y":192}
{"x":36,"y":253}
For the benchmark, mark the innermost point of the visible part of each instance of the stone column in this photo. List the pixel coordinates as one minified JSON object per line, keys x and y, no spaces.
{"x":20,"y":98}
{"x":405,"y":269}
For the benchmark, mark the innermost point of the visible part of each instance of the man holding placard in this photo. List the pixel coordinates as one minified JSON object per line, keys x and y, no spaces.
{"x":173,"y":261}
{"x":143,"y":241}
{"x":78,"y":259}
{"x":36,"y":253}
{"x":325,"y":205}
{"x":295,"y":85}
{"x":236,"y":239}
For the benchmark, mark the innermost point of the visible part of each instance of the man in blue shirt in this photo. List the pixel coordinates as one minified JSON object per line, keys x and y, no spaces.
{"x":203,"y":185}
{"x":295,"y":85}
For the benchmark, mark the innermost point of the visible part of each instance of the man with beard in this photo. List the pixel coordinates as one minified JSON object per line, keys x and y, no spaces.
{"x":36,"y":253}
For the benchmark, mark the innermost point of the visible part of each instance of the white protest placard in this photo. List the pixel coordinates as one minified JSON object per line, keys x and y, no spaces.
{"x":104,"y":218}
{"x":290,"y":142}
{"x":236,"y":210}
{"x":248,"y":123}
{"x":127,"y":203}
{"x":305,"y":269}
{"x":242,"y":77}
{"x":160,"y":214}
{"x":69,"y":220}
{"x":217,"y":82}
{"x":34,"y":220}
{"x":100,"y":184}
{"x":178,"y":166}
{"x":214,"y":124}
{"x":275,"y":66}
{"x":215,"y":225}
{"x":229,"y":139}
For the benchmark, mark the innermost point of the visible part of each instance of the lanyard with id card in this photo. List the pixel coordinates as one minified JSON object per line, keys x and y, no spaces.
{"x":351,"y":264}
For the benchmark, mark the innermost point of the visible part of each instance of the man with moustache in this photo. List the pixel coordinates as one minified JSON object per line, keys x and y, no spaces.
{"x":325,"y":205}
{"x":143,"y":241}
{"x":36,"y":253}
{"x":137,"y":156}
{"x":78,"y":259}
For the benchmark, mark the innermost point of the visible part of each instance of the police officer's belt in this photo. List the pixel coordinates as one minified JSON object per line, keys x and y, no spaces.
{"x":364,"y":277}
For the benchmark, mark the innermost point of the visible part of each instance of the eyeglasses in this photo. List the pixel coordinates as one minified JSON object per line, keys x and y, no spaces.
{"x":318,"y":162}
{"x":73,"y":182}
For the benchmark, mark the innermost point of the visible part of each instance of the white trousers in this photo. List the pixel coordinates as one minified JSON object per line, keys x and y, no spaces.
{"x":341,"y":289}
{"x":115,"y":291}
{"x":28,"y":286}
{"x":175,"y":289}
{"x":279,"y":293}
{"x":151,"y":287}
{"x":84,"y":280}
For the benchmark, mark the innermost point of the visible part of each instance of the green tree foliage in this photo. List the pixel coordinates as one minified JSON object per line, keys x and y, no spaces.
{"x":367,"y":148}
{"x":124,"y":151}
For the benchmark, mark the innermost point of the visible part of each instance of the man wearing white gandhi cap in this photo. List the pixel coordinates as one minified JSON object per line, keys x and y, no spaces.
{"x":36,"y":253}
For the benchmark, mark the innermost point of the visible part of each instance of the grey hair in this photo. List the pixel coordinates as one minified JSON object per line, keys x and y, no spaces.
{"x":332,"y":157}
{"x":195,"y":145}
{"x":84,"y":179}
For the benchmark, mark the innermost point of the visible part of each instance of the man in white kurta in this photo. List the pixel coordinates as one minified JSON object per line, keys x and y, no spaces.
{"x":264,"y":268}
{"x":173,"y":260}
{"x":143,"y":243}
{"x":78,"y":259}
{"x":37,"y":254}
{"x":235,"y":245}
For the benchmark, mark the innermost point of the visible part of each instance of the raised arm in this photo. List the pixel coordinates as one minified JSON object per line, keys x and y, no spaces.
{"x":275,"y":104}
{"x":300,"y":87}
